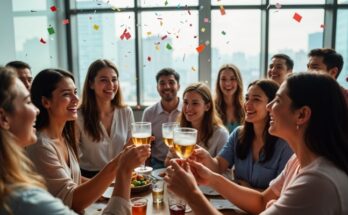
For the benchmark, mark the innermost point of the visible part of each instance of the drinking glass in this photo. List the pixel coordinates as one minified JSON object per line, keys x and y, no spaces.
{"x":168,"y":132}
{"x":141,"y":134}
{"x":176,"y":205}
{"x":157,"y":191}
{"x":184,"y":141}
{"x":139,"y":205}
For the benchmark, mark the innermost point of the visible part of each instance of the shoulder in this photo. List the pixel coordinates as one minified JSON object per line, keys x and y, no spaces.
{"x":220,"y":130}
{"x":124,"y":110}
{"x":152,"y":109}
{"x":282,"y":145}
{"x":42,"y":143}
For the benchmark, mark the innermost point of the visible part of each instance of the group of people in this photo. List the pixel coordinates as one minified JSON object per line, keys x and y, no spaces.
{"x":274,"y":147}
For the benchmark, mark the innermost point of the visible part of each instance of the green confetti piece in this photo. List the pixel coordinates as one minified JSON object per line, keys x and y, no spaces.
{"x":169,"y":47}
{"x":223,"y":32}
{"x":50,"y":30}
{"x":166,"y":3}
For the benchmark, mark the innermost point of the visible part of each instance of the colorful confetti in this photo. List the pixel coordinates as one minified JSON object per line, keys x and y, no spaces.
{"x":53,"y":8}
{"x":200,"y":48}
{"x":222,"y":10}
{"x":169,"y":47}
{"x":206,"y":20}
{"x":125,"y":34}
{"x":149,"y":58}
{"x":42,"y":41}
{"x":50,"y":30}
{"x":96,"y":27}
{"x":223,"y":32}
{"x":164,"y":37}
{"x":297,"y":17}
{"x":66,"y":21}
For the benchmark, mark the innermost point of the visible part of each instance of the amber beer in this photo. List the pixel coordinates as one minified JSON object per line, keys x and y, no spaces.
{"x":157,"y":195}
{"x":184,"y":148}
{"x":139,"y":206}
{"x":168,"y":141}
{"x":141,"y":138}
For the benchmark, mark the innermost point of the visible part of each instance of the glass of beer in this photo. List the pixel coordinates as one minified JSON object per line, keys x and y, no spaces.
{"x":168,"y":132}
{"x":141,"y":134}
{"x":184,"y":141}
{"x":176,"y":204}
{"x":139,"y":205}
{"x":157,"y":191}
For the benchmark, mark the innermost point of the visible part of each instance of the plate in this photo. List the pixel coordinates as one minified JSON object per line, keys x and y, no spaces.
{"x":158,"y":173}
{"x":208,"y":191}
{"x":140,"y":189}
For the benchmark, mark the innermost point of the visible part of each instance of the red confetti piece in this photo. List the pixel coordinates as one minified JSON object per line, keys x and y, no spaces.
{"x":222,"y":10}
{"x":42,"y":41}
{"x":66,"y":21}
{"x":125,"y":34}
{"x":322,"y":26}
{"x":164,"y":37}
{"x":53,"y":8}
{"x":297,"y":17}
{"x":149,"y":58}
{"x":200,"y":48}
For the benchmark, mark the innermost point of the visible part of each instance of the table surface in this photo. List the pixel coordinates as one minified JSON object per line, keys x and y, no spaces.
{"x":152,"y":209}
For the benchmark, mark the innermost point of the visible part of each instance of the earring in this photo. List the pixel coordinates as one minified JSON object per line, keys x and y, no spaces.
{"x":297,"y":127}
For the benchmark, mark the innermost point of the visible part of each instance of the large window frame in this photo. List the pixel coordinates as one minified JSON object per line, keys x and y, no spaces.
{"x":204,"y":11}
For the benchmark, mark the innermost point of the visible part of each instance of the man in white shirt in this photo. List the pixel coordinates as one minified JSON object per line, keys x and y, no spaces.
{"x":166,"y":110}
{"x":281,"y":65}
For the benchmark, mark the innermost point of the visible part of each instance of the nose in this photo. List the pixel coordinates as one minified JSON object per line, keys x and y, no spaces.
{"x":269,"y":106}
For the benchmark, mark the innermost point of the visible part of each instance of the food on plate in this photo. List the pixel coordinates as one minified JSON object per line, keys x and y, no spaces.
{"x":139,"y":180}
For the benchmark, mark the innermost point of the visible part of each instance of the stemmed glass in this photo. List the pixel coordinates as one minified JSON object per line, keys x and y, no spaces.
{"x":184,"y":141}
{"x":141,"y":134}
{"x":168,"y":132}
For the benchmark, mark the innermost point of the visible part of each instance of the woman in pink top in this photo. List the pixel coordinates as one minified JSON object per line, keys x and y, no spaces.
{"x":310,"y":114}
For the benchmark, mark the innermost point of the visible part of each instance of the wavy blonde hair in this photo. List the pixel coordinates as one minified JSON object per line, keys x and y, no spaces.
{"x":16,"y":170}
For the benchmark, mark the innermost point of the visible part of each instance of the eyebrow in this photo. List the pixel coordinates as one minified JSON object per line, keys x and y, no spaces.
{"x":254,"y":95}
{"x":67,"y":90}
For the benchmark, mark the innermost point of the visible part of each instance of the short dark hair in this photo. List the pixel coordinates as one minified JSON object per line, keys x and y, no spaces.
{"x":18,"y":65}
{"x":167,"y":72}
{"x":331,"y":58}
{"x":288,"y":61}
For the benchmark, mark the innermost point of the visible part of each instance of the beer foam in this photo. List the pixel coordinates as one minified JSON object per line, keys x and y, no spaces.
{"x":184,"y":142}
{"x":141,"y":135}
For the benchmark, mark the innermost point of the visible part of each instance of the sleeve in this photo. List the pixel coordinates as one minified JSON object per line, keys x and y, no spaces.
{"x":228,"y":151}
{"x":130,"y":121}
{"x":145,"y":117}
{"x":117,"y":205}
{"x":221,"y":139}
{"x":41,"y":202}
{"x":285,"y":155}
{"x":304,"y":197}
{"x":59,"y":183}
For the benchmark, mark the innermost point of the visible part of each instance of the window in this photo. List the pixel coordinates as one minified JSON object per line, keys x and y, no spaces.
{"x":288,"y":36}
{"x":237,"y":42}
{"x":342,"y":44}
{"x":236,"y":2}
{"x":298,"y":2}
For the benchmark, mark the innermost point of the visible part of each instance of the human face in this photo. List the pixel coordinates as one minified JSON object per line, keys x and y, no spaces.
{"x":62,"y":106}
{"x":316,"y":64}
{"x":278,"y":70}
{"x":25,"y":76}
{"x":255,"y":105}
{"x":22,"y":119}
{"x":194,"y":107}
{"x":282,"y":118}
{"x":167,"y":87}
{"x":228,"y":82}
{"x":105,"y":84}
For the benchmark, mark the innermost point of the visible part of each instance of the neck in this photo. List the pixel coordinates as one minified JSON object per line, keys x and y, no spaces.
{"x":104,"y":106}
{"x":229,"y":100}
{"x":171,"y":105}
{"x":303,"y":154}
{"x":55,"y":129}
{"x":258,"y":129}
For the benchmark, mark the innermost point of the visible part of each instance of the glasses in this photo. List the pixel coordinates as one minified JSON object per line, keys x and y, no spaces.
{"x":168,"y":132}
{"x":139,"y":206}
{"x":184,"y":141}
{"x":141,"y":134}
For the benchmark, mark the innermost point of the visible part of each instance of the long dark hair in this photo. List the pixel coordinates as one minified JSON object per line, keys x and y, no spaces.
{"x":89,"y":107}
{"x":210,"y":118}
{"x":43,"y":85}
{"x":247,"y":134}
{"x":327,"y":131}
{"x":238,"y":96}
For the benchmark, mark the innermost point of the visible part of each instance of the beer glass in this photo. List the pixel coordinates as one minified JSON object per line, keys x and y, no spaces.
{"x":139,"y":205}
{"x":141,"y":134}
{"x":168,"y":132}
{"x":184,"y":141}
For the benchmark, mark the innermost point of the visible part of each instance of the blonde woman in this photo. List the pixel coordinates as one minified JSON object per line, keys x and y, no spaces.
{"x":19,"y":183}
{"x":229,"y":96}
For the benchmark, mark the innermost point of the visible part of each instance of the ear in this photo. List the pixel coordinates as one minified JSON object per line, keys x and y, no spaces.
{"x":4,"y":120}
{"x":304,"y":115}
{"x":333,"y":72}
{"x":45,"y":102}
{"x":207,"y":106}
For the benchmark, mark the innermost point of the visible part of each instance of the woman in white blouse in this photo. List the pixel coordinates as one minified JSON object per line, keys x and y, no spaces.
{"x":104,"y":121}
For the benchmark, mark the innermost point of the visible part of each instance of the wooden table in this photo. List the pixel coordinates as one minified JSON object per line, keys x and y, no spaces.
{"x":152,"y":209}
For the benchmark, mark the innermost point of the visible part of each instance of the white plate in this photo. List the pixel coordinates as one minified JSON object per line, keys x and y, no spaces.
{"x":208,"y":191}
{"x":156,"y":173}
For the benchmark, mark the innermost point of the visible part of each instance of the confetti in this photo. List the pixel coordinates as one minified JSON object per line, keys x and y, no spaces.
{"x":188,"y":11}
{"x":297,"y":17}
{"x":166,"y":3}
{"x":200,"y":48}
{"x":50,"y":30}
{"x":322,"y":26}
{"x":125,"y":34}
{"x":42,"y":41}
{"x":149,"y":58}
{"x":96,"y":27}
{"x":164,"y":37}
{"x":169,"y":47}
{"x":202,"y":29}
{"x":53,"y":8}
{"x":278,"y":6}
{"x":66,"y":21}
{"x":33,"y":11}
{"x":116,"y":8}
{"x":207,"y":42}
{"x":157,"y":47}
{"x":193,"y":69}
{"x":206,"y":20}
{"x":223,"y":32}
{"x":149,"y":33}
{"x":222,"y":10}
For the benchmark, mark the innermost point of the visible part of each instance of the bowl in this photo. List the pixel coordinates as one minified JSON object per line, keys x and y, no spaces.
{"x":140,"y":170}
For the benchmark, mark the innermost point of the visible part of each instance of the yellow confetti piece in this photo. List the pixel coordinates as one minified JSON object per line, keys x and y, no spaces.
{"x":193,"y":69}
{"x":148,"y":33}
{"x":96,"y":27}
{"x":202,"y":29}
{"x":116,"y":8}
{"x":157,"y":47}
{"x":161,"y":23}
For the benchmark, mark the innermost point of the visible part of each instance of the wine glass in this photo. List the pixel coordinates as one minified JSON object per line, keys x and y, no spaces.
{"x":184,"y":141}
{"x":168,"y":132}
{"x":141,"y":134}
